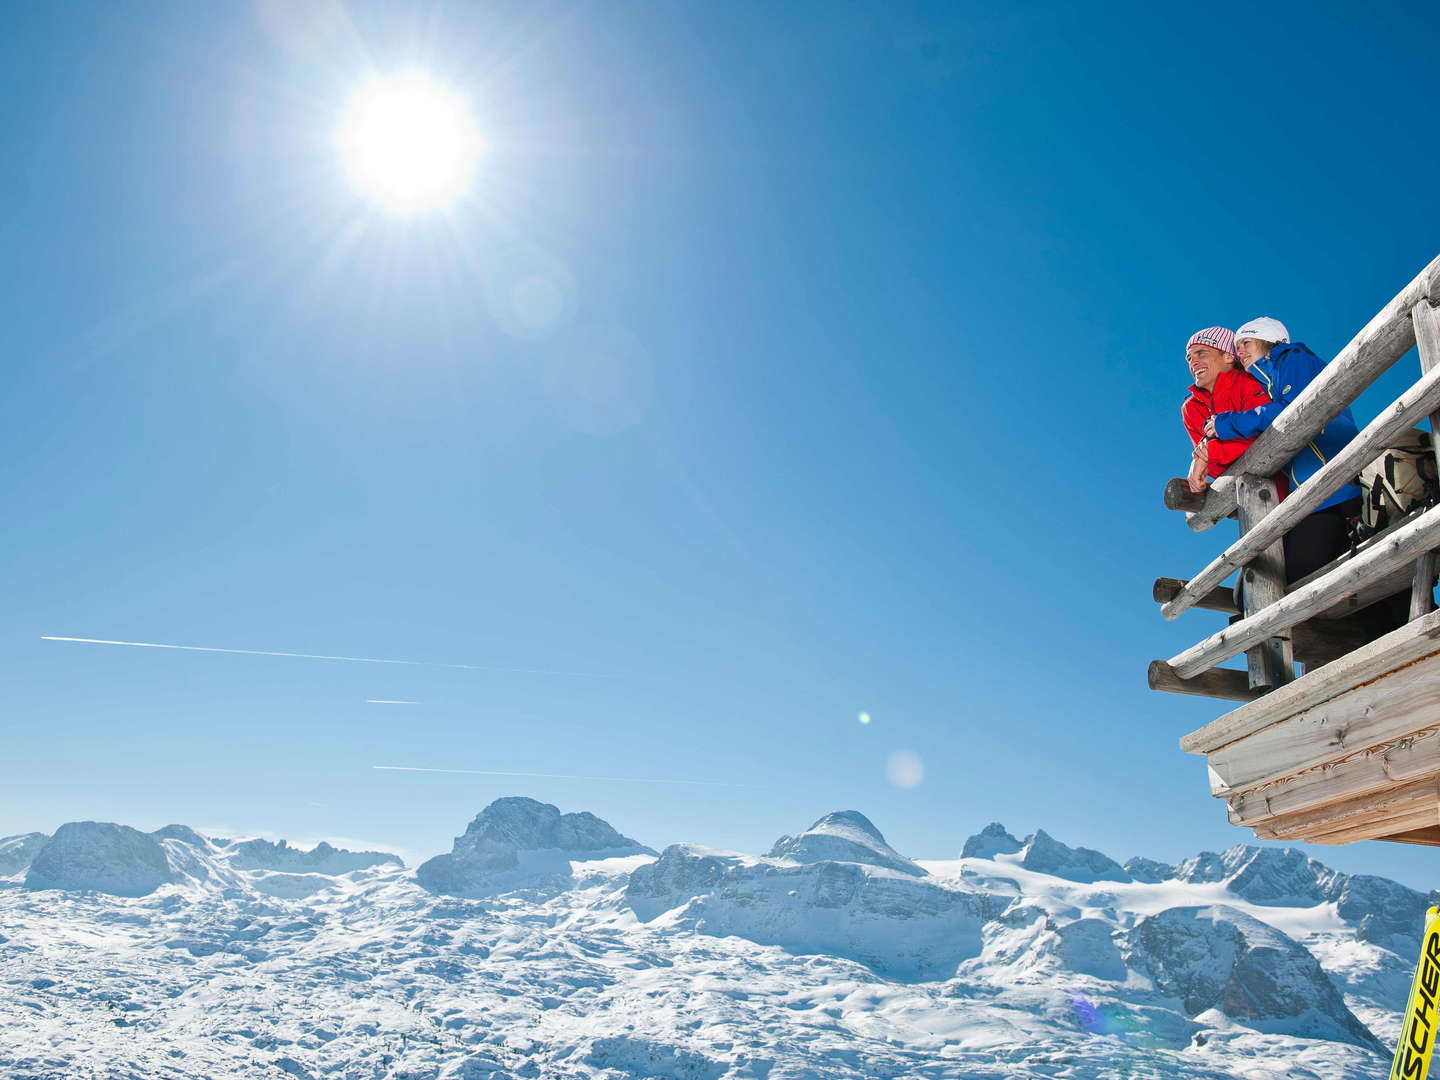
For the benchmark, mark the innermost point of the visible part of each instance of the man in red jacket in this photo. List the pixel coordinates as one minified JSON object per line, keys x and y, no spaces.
{"x":1221,"y":385}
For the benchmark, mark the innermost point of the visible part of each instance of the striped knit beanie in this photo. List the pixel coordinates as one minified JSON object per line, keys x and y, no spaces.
{"x":1217,"y":337}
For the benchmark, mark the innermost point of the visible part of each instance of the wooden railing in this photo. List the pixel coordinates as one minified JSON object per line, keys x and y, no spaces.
{"x":1270,"y":630}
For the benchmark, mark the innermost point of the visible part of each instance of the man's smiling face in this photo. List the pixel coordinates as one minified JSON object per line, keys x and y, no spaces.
{"x":1206,"y":364}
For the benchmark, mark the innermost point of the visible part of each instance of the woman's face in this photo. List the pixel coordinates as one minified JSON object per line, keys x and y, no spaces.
{"x":1250,"y":350}
{"x":1206,"y":364}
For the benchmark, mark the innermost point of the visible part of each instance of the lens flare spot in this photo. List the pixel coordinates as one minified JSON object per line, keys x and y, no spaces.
{"x":905,"y":769}
{"x":864,"y":718}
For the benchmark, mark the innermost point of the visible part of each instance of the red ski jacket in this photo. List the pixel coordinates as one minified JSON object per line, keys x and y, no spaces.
{"x":1235,"y":390}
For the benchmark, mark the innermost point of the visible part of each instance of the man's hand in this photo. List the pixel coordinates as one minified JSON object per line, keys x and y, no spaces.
{"x":1210,"y":428}
{"x":1197,"y":480}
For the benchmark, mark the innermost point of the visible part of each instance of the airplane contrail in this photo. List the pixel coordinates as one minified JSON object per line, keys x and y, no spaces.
{"x":319,"y":656}
{"x":558,"y":776}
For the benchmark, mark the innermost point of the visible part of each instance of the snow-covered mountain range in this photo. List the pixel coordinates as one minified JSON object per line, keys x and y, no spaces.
{"x":550,"y":945}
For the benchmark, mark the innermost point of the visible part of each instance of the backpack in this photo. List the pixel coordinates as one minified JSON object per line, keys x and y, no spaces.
{"x":1401,"y":479}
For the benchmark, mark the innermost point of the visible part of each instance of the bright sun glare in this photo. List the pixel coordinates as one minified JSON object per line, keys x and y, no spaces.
{"x":409,"y":143}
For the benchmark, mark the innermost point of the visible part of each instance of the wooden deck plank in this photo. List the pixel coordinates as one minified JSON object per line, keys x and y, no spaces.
{"x":1399,"y":804}
{"x":1411,"y":642}
{"x":1377,"y":714}
{"x":1428,"y":836}
{"x":1379,"y":826}
{"x":1360,"y":774}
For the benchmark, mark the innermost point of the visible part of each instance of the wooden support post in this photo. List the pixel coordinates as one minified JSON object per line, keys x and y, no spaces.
{"x":1272,"y":662}
{"x":1216,"y":683}
{"x":1426,"y":320}
{"x":1422,"y":592}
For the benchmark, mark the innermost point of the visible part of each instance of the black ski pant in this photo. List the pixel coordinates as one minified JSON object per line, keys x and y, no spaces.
{"x":1324,"y":536}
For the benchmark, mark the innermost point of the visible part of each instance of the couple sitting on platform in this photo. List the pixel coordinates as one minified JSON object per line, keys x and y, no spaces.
{"x":1242,"y":382}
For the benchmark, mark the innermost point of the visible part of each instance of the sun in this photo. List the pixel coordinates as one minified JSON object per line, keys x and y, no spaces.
{"x":409,"y":143}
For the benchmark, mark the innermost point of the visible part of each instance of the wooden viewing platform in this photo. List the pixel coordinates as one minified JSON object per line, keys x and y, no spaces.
{"x":1349,"y":750}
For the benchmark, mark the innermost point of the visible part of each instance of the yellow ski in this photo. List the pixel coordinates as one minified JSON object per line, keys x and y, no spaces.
{"x":1417,"y":1034}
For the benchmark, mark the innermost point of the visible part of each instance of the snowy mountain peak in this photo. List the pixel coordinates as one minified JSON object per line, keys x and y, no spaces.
{"x":184,"y":834}
{"x":1201,"y":869}
{"x":1150,"y":871}
{"x":1046,"y":855}
{"x":521,"y":836}
{"x":516,"y":823}
{"x":1221,"y":958}
{"x":1275,"y":875}
{"x":323,"y":858}
{"x":990,"y":841}
{"x":17,"y":852}
{"x":843,"y":836}
{"x":100,"y":856}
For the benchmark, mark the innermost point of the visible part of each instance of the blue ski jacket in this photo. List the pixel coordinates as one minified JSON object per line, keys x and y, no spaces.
{"x":1288,"y":370}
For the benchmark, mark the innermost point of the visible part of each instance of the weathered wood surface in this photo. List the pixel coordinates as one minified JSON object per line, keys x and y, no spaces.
{"x":1394,"y":809}
{"x":1385,"y":338}
{"x":1411,"y":642}
{"x":1316,"y":642}
{"x":1397,"y":580}
{"x":1401,"y":547}
{"x":1178,"y":496}
{"x":1422,"y":590}
{"x":1425,"y":325}
{"x":1271,"y":662}
{"x":1220,"y":598}
{"x":1382,"y":825}
{"x":1428,"y":836}
{"x":1373,"y":715}
{"x":1412,"y":758}
{"x":1426,"y":320}
{"x":1215,"y":683}
{"x":1415,"y":404}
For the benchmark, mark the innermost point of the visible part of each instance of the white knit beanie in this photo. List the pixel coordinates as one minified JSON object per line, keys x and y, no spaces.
{"x":1264,"y":329}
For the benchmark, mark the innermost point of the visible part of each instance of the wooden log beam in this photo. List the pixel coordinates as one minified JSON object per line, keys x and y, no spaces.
{"x":1215,"y":683}
{"x":1178,"y":496}
{"x":1398,"y":580}
{"x":1400,"y":547}
{"x":1401,"y":647}
{"x":1415,"y":404}
{"x":1385,"y":338}
{"x":1318,"y":641}
{"x":1219,"y":598}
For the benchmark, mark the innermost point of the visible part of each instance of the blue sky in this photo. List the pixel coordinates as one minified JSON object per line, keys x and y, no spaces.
{"x":783,"y":363}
